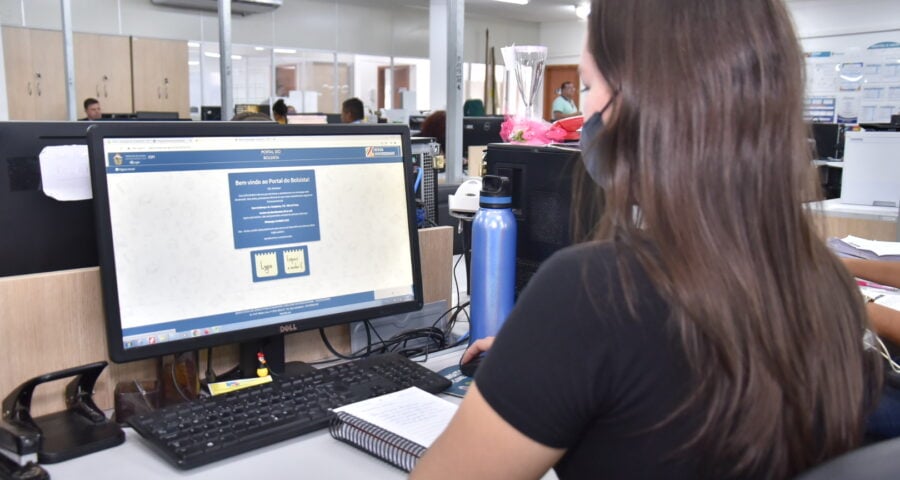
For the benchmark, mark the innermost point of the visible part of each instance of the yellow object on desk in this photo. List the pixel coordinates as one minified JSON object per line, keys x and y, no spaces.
{"x":232,"y":385}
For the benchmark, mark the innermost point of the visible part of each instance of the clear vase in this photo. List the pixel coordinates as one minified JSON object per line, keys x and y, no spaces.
{"x":527,"y":61}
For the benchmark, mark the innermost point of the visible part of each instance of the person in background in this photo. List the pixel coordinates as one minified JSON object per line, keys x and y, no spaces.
{"x":92,"y":109}
{"x":435,"y":125}
{"x":251,"y":117}
{"x":706,"y":331}
{"x":352,"y":111}
{"x":280,"y":111}
{"x":564,"y":104}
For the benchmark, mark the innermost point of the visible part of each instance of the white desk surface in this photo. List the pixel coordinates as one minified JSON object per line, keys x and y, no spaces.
{"x":312,"y":456}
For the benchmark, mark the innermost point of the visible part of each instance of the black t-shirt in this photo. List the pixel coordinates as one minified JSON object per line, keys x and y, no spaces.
{"x":571,"y":368}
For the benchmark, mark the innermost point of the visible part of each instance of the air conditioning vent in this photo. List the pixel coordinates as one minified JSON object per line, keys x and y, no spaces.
{"x":238,"y":7}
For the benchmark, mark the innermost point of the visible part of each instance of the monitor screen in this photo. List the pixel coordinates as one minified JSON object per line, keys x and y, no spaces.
{"x":224,"y":233}
{"x":480,"y":131}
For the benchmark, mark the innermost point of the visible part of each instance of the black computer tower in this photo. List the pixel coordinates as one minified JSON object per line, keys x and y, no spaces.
{"x":545,"y":181}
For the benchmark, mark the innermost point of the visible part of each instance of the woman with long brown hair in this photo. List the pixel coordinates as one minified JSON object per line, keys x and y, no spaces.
{"x":707,"y":331}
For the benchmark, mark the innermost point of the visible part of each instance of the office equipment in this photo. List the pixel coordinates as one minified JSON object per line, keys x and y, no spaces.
{"x":545,"y":181}
{"x":397,"y":428}
{"x":210,"y":112}
{"x":214,"y":428}
{"x":480,"y":131}
{"x":871,"y":169}
{"x":117,"y":116}
{"x":156,"y":116}
{"x":424,"y":151}
{"x":415,"y":122}
{"x":829,"y":140}
{"x":80,"y":429}
{"x":38,"y":233}
{"x":893,"y":126}
{"x":234,"y":232}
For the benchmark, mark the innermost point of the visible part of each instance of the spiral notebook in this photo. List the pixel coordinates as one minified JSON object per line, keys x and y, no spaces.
{"x":397,"y":428}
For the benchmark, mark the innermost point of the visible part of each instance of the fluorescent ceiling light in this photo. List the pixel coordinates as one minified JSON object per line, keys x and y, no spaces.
{"x":259,"y":49}
{"x":211,"y":54}
{"x":236,"y":57}
{"x":193,"y":44}
{"x":517,"y":2}
{"x":284,"y":50}
{"x":193,"y":63}
{"x":582,"y":10}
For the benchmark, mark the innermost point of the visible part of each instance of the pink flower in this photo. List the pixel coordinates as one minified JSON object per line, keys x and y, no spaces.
{"x":530,"y":131}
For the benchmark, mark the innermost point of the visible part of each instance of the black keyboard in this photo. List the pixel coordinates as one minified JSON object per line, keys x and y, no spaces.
{"x":213,"y":428}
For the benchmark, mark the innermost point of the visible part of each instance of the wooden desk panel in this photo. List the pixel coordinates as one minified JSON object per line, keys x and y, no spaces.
{"x":52,"y":321}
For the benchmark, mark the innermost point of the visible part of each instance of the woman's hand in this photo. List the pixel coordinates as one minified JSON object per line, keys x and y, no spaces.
{"x":480,"y":346}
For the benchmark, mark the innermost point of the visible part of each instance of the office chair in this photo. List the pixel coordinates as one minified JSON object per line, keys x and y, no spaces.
{"x":872,"y":462}
{"x":473,"y":107}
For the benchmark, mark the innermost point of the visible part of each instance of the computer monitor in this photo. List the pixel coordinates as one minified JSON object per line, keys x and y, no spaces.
{"x":480,"y":131}
{"x":210,"y":113}
{"x":545,"y":182}
{"x":240,"y":233}
{"x":416,"y":122}
{"x":38,"y":233}
{"x":829,"y":140}
{"x":156,"y":115}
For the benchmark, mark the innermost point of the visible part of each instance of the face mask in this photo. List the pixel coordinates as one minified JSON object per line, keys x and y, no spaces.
{"x":589,"y":131}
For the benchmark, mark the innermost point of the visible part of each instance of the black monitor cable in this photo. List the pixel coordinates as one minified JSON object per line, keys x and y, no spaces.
{"x":210,"y":372}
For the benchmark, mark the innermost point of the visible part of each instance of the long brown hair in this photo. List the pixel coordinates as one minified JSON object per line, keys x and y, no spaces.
{"x":705,"y":168}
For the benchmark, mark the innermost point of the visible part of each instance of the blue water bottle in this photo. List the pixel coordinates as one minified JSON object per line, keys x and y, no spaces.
{"x":493,"y":258}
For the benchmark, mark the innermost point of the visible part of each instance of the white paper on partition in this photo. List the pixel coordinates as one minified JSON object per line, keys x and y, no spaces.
{"x":65,"y":172}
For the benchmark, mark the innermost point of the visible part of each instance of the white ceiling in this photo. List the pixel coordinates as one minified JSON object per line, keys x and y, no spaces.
{"x":536,"y":11}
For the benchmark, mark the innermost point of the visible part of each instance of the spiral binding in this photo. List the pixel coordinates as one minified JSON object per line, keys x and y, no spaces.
{"x":376,"y":441}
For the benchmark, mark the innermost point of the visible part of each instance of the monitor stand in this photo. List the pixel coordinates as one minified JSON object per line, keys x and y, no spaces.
{"x":273,"y":349}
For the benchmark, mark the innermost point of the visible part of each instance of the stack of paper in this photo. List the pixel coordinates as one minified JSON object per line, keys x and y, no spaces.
{"x":856,"y":247}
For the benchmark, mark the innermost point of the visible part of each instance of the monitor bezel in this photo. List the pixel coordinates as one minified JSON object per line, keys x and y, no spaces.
{"x":109,"y":282}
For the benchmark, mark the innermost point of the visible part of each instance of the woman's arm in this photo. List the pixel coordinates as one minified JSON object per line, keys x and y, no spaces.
{"x":884,"y":321}
{"x":879,"y":271}
{"x":479,"y":443}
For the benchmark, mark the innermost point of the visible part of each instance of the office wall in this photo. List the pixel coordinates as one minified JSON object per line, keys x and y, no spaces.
{"x":310,"y":24}
{"x":821,"y":25}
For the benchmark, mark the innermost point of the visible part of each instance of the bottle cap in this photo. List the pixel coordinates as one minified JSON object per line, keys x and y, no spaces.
{"x":496,"y":192}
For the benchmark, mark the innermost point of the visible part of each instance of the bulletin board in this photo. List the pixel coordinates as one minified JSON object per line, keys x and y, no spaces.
{"x":854,"y":86}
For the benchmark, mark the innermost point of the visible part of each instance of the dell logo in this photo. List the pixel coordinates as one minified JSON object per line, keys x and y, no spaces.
{"x":288,"y":328}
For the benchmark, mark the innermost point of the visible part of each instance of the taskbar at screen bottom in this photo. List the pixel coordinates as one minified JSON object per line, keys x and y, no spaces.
{"x":191,"y":329}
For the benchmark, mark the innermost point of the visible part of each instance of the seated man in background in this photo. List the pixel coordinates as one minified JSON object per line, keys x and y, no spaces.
{"x":352,"y":111}
{"x":92,"y":109}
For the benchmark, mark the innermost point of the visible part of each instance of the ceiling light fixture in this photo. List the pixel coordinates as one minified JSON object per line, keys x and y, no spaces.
{"x":582,"y":10}
{"x":284,"y":50}
{"x":517,"y":2}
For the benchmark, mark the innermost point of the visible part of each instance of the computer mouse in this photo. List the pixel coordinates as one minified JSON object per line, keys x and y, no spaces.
{"x":468,"y":368}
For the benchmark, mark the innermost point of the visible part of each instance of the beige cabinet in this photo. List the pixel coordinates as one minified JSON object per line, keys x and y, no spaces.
{"x":160,"y":76}
{"x":35,"y":74}
{"x":103,"y":71}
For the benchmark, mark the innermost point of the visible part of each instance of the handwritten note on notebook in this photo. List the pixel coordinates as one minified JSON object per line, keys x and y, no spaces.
{"x":412,"y":413}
